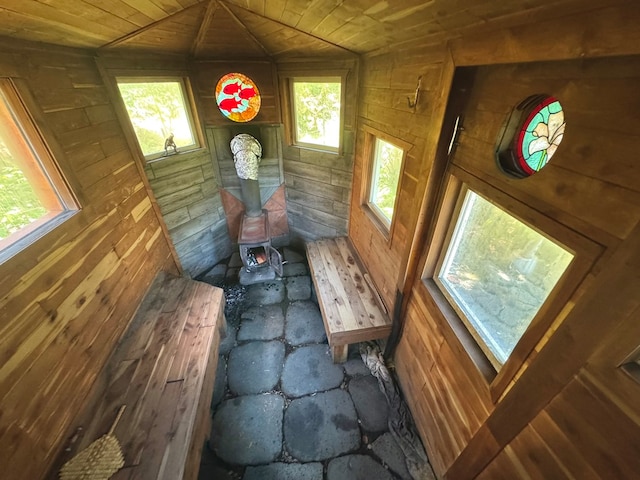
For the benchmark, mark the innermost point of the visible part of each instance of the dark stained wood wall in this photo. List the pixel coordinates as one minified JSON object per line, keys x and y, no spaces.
{"x":571,"y":411}
{"x":318,"y":183}
{"x":66,"y":299}
{"x":206,"y":73}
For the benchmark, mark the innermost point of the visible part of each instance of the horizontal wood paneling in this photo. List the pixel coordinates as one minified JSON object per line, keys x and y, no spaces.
{"x":387,"y":82}
{"x":318,"y":182}
{"x":547,"y":425}
{"x":65,"y":300}
{"x":186,"y":190}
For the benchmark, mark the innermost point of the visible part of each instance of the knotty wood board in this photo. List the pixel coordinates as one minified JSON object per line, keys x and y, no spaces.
{"x":163,"y":370}
{"x":350,"y":310}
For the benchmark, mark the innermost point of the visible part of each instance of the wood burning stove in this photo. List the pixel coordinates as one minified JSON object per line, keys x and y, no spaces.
{"x":261,"y":261}
{"x":256,"y":252}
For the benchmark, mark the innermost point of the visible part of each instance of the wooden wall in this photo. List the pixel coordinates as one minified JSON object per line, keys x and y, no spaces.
{"x":184,"y":186}
{"x":572,"y":410}
{"x":387,"y":81}
{"x":66,"y":299}
{"x":319,"y":183}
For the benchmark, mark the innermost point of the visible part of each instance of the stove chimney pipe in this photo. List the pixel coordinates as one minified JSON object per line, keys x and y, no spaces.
{"x":247,"y":153}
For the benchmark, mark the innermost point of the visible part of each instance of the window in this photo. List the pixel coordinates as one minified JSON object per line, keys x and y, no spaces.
{"x":385,"y":174}
{"x":159,"y":109}
{"x":497,"y":272}
{"x":317,"y":115}
{"x":34,"y":197}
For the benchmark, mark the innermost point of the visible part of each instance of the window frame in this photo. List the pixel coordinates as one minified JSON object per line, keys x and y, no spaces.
{"x":552,"y":311}
{"x":369,"y":151}
{"x":292,"y":131}
{"x":191,"y":110}
{"x":29,"y":120}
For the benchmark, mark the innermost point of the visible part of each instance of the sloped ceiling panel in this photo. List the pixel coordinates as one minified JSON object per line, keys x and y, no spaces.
{"x":282,"y":41}
{"x":86,"y":23}
{"x":224,"y":36}
{"x":175,"y":34}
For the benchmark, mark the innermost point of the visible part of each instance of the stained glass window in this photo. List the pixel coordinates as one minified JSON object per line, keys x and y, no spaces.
{"x":238,"y":97}
{"x":528,"y":145}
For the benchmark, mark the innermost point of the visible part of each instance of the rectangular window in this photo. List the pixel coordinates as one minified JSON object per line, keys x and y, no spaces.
{"x":317,"y":115}
{"x":34,"y":197}
{"x":385,"y":176}
{"x":497,"y":272}
{"x":159,"y":110}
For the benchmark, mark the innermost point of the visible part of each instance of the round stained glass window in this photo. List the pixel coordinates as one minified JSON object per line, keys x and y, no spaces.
{"x":238,"y":97}
{"x":531,"y":136}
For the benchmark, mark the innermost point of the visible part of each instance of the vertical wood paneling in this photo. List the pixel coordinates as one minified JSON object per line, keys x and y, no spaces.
{"x":65,"y":300}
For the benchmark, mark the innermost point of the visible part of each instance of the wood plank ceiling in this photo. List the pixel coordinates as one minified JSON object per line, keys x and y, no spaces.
{"x":274,"y":28}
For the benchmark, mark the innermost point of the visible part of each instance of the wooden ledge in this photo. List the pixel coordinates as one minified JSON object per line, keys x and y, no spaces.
{"x":163,"y":370}
{"x":350,"y":309}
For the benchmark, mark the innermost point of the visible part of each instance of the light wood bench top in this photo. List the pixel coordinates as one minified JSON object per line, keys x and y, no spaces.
{"x":163,"y":370}
{"x":350,"y":309}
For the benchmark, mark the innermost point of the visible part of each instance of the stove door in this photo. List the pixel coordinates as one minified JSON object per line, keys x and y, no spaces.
{"x":275,"y":259}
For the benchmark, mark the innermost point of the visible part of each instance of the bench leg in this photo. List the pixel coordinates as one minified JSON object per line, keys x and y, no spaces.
{"x":339,"y":353}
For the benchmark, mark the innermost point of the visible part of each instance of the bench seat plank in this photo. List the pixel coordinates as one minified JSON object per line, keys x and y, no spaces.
{"x":163,"y":370}
{"x":350,"y":309}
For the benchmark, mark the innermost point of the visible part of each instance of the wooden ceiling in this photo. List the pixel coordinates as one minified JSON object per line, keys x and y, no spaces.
{"x":274,"y":28}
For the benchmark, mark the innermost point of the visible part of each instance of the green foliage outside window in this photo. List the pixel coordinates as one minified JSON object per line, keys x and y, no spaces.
{"x":317,"y":112}
{"x":386,"y":173}
{"x":19,"y":204}
{"x":499,"y":272}
{"x":157,"y":110}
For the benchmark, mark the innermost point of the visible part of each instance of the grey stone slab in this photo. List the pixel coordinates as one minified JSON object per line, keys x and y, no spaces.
{"x":321,"y":426}
{"x":310,"y":369}
{"x":299,"y":288}
{"x":285,"y":471}
{"x":295,"y":269}
{"x":216,"y":275}
{"x":235,"y":261}
{"x":255,"y":367}
{"x":220,"y":383}
{"x":267,"y":293}
{"x":262,"y":275}
{"x":232,"y":274}
{"x":370,"y":403}
{"x":355,"y":366}
{"x":294,"y":256}
{"x":229,"y":340}
{"x":387,"y":449}
{"x":248,"y":430}
{"x":215,"y":472}
{"x":261,"y":323}
{"x":304,"y":324}
{"x":356,"y":467}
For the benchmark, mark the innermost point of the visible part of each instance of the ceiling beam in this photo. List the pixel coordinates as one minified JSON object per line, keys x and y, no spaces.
{"x":204,"y":27}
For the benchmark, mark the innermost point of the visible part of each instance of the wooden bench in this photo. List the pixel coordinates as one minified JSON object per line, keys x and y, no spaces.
{"x":163,"y":370}
{"x":352,"y":311}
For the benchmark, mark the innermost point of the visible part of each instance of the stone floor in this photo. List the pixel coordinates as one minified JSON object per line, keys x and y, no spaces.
{"x":282,"y":410}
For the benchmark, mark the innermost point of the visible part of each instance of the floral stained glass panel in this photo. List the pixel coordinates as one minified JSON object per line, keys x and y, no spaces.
{"x":540,"y":135}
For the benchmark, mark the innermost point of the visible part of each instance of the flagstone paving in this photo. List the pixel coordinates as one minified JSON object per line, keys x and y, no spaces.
{"x":282,"y":410}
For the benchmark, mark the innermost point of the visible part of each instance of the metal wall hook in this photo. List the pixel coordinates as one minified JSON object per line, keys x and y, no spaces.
{"x":412,"y":104}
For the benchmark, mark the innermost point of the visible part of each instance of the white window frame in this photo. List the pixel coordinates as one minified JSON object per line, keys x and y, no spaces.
{"x":293,"y":117}
{"x":373,"y":181}
{"x":190,"y":111}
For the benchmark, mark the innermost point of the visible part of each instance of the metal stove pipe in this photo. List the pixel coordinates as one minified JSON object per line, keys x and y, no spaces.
{"x":247,"y":153}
